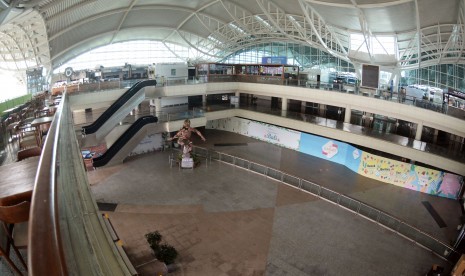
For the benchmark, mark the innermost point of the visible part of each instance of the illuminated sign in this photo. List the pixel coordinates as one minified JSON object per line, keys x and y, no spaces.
{"x":274,"y":60}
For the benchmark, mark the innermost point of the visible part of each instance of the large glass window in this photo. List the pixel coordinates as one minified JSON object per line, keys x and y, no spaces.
{"x":133,"y":52}
{"x":13,"y":86}
{"x":298,"y":55}
{"x":148,"y":52}
{"x":378,"y":45}
{"x":442,"y":76}
{"x":384,"y":45}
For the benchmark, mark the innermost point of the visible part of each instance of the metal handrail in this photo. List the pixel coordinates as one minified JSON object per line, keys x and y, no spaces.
{"x":66,"y":233}
{"x":44,"y":229}
{"x":447,"y":253}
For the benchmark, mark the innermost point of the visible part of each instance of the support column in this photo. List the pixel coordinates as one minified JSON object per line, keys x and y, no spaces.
{"x":367,"y":120}
{"x":396,"y":77}
{"x":157,"y":103}
{"x":347,"y":115}
{"x":322,"y":110}
{"x":303,"y":106}
{"x":284,"y":104}
{"x":419,"y":131}
{"x":237,"y":100}
{"x":435,"y":136}
{"x":204,"y":100}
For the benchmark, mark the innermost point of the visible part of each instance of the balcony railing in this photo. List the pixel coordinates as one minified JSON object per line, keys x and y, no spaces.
{"x":67,"y":234}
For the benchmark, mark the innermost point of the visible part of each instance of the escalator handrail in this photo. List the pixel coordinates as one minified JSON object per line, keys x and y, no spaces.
{"x":92,"y":128}
{"x":123,"y":139}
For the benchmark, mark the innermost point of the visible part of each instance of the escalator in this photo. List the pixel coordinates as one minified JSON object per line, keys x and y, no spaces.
{"x":117,"y":105}
{"x":126,"y":142}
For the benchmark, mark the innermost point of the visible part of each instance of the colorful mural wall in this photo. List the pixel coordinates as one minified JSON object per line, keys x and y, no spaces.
{"x":383,"y":169}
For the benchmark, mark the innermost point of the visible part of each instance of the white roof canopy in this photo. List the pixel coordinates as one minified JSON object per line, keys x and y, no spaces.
{"x":49,"y":33}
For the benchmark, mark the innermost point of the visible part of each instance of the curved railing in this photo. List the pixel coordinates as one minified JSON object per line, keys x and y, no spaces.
{"x":44,"y":230}
{"x":122,"y":140}
{"x":92,"y":128}
{"x":67,"y":235}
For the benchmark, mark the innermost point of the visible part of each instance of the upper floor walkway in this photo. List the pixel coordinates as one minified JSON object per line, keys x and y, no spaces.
{"x":354,"y":131}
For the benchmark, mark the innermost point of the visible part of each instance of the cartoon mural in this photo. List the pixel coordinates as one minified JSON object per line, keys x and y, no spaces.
{"x":410,"y":176}
{"x":399,"y":173}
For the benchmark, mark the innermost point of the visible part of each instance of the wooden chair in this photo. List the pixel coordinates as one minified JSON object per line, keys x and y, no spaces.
{"x":26,"y":153}
{"x":28,"y":135}
{"x":15,"y":222}
{"x":4,"y":253}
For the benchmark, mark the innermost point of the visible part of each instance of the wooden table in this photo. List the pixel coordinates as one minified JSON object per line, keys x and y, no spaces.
{"x":41,"y":125}
{"x":17,"y":181}
{"x":41,"y":121}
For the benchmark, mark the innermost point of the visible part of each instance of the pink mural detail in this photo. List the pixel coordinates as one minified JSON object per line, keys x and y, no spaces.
{"x":450,"y":185}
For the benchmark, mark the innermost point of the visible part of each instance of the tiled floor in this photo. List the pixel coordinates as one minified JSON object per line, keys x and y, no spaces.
{"x":5,"y":269}
{"x":227,"y":221}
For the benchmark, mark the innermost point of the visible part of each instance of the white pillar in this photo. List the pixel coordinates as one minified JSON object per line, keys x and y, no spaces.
{"x":303,"y":106}
{"x":435,"y":137}
{"x":419,"y":131}
{"x":283,"y":104}
{"x":358,"y":69}
{"x":347,"y":115}
{"x":396,"y":77}
{"x":204,"y":100}
{"x":367,"y":119}
{"x":321,"y":110}
{"x":157,"y":103}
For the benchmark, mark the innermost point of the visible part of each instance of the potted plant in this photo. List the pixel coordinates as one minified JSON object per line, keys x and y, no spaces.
{"x":154,"y":239}
{"x":163,"y":252}
{"x":166,"y":253}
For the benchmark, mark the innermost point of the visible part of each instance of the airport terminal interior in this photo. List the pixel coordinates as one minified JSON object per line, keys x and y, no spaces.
{"x":232,"y":137}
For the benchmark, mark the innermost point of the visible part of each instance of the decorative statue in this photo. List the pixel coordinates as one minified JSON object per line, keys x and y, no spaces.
{"x":184,"y":138}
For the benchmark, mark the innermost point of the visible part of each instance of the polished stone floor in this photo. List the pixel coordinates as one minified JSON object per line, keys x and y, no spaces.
{"x":227,"y":221}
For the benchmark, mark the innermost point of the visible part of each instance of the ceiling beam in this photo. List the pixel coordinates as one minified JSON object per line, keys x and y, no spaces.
{"x":11,"y":54}
{"x":195,"y":47}
{"x":26,"y":34}
{"x":70,"y":9}
{"x":237,"y":13}
{"x":86,"y":41}
{"x":383,"y":4}
{"x":365,"y":30}
{"x":461,"y":28}
{"x":417,"y":20}
{"x":122,"y":20}
{"x":322,"y":26}
{"x":191,"y":14}
{"x":19,"y":50}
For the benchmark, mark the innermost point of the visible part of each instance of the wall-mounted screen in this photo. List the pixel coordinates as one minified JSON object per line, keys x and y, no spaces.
{"x":370,"y":76}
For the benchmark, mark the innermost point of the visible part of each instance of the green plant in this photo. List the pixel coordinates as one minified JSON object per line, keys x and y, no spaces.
{"x":163,"y":252}
{"x":194,"y":157}
{"x":154,"y":239}
{"x":166,"y":253}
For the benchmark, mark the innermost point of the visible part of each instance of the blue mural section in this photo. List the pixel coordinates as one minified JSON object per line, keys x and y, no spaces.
{"x":331,"y":150}
{"x":401,"y":174}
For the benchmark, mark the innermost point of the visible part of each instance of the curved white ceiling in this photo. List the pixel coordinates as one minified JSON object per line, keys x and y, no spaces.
{"x":49,"y":33}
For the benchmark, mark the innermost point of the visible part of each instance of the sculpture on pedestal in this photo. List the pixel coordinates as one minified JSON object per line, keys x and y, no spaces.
{"x":184,"y":140}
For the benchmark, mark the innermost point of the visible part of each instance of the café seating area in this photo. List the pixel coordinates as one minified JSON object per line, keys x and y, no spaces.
{"x":24,"y":129}
{"x":16,"y":188}
{"x":27,"y":125}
